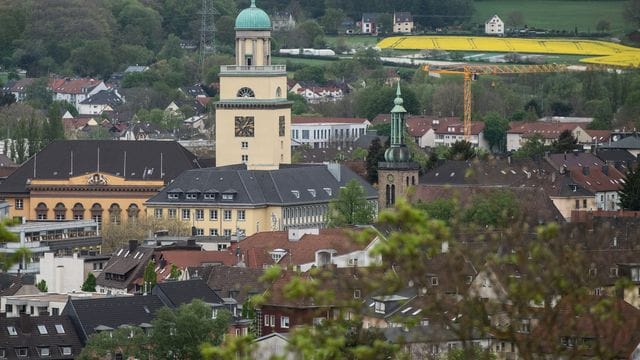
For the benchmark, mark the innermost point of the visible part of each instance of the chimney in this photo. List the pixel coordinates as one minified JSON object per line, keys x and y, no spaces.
{"x":605,"y":169}
{"x":25,"y":323}
{"x":585,"y":170}
{"x":133,"y":245}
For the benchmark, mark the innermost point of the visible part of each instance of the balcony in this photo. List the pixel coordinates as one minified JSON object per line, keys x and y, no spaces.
{"x":251,"y":69}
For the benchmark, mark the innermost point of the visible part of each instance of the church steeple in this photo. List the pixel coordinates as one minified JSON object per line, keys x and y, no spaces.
{"x":398,"y":151}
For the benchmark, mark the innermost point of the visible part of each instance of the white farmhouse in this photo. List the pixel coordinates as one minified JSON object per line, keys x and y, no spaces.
{"x":494,"y":26}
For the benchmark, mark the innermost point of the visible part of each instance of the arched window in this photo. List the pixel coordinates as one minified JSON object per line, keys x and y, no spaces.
{"x":413,"y":180}
{"x":393,"y":194}
{"x":96,"y":213}
{"x":278,"y":92}
{"x":133,"y":211}
{"x":245,"y":92}
{"x":60,"y":212}
{"x":407,"y":181}
{"x":78,"y":211}
{"x":41,"y":211}
{"x":387,"y":200}
{"x":114,"y":213}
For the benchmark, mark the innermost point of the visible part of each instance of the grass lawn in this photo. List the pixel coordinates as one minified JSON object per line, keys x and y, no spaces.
{"x":557,"y":15}
{"x":3,"y":77}
{"x":353,"y":41}
{"x":283,"y":60}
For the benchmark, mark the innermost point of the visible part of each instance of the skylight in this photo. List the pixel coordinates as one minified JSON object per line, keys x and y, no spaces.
{"x":42,"y":330}
{"x":59,"y":329}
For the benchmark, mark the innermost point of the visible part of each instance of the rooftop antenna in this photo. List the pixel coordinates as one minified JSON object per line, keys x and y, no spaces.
{"x":71,"y":172}
{"x":124,"y":171}
{"x":98,"y":164}
{"x":161,"y":168}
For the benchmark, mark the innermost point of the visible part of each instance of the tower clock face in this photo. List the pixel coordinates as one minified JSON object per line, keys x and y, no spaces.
{"x":245,"y":126}
{"x":390,"y":178}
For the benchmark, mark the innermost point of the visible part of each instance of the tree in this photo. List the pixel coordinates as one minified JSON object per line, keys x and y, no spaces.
{"x":566,"y":142}
{"x":175,"y":272}
{"x":374,"y":156}
{"x":93,"y":58}
{"x":461,"y":150}
{"x":171,"y":48}
{"x":631,"y":12}
{"x":149,"y":277}
{"x":603,"y":26}
{"x":440,"y":209}
{"x":310,"y":73}
{"x":332,"y":19}
{"x":630,"y":192}
{"x":89,"y":284}
{"x":128,"y":341}
{"x":6,"y":99}
{"x":42,"y":286}
{"x":533,"y":147}
{"x":497,"y":209}
{"x":350,"y":207}
{"x":495,"y":131}
{"x":181,"y":332}
{"x":38,"y":94}
{"x":116,"y":235}
{"x":515,"y":19}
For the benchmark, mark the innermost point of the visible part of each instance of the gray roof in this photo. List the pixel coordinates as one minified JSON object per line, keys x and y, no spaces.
{"x":616,"y":155}
{"x":104,"y":97}
{"x":629,"y":142}
{"x":176,"y":293}
{"x":403,"y":17}
{"x":290,"y":185}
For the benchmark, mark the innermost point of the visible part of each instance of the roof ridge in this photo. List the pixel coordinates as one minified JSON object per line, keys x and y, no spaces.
{"x":275,"y":185}
{"x":246,"y":190}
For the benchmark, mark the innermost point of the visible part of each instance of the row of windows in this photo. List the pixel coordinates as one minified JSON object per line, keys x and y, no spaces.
{"x":326,"y":133}
{"x":174,"y":195}
{"x":215,"y":232}
{"x":42,"y":351}
{"x":270,"y":320}
{"x":199,"y":214}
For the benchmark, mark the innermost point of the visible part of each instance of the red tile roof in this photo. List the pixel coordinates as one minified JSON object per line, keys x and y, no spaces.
{"x":73,"y":86}
{"x":457,"y":127}
{"x":190,"y":258}
{"x":257,"y":247}
{"x":548,"y":130}
{"x":314,"y":120}
{"x":599,"y":135}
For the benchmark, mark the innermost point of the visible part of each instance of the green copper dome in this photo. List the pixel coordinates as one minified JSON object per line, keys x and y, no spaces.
{"x":253,"y":18}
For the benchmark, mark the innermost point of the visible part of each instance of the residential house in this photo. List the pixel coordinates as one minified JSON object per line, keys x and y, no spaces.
{"x":136,"y":69}
{"x":91,"y":316}
{"x":283,"y":21}
{"x":238,"y":283}
{"x":369,"y":23}
{"x":494,"y":26}
{"x":104,"y":100}
{"x":194,"y":91}
{"x":307,"y":248}
{"x":629,"y":143}
{"x":273,"y":345}
{"x":402,"y":22}
{"x":316,"y":93}
{"x":318,"y":132}
{"x":235,"y":201}
{"x":124,"y":271}
{"x":447,"y":133}
{"x":520,"y":131}
{"x":391,"y":77}
{"x":591,"y":173}
{"x":617,"y":158}
{"x":281,"y":314}
{"x":49,"y":337}
{"x":75,"y":90}
{"x":81,"y":179}
{"x":18,"y":88}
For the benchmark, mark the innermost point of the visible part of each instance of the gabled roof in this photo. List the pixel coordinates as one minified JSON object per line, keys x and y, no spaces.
{"x":34,"y":333}
{"x":176,"y":293}
{"x":129,"y":265}
{"x":403,"y":17}
{"x":616,"y":155}
{"x":258,"y":247}
{"x":112,"y":312}
{"x":104,"y":97}
{"x":630,"y":142}
{"x":150,"y":160}
{"x":73,"y":86}
{"x":18,"y":86}
{"x":189,"y":258}
{"x":231,"y":281}
{"x":547,"y":130}
{"x":457,"y":127}
{"x":370,"y":17}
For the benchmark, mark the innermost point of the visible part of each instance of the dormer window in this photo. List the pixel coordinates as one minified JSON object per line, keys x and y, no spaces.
{"x":434,"y":281}
{"x":174,"y":194}
{"x":227,"y":196}
{"x":209,"y":196}
{"x":379,"y":307}
{"x":327,"y":190}
{"x":277,"y":255}
{"x":296,"y":193}
{"x":312,"y":192}
{"x":192,"y":195}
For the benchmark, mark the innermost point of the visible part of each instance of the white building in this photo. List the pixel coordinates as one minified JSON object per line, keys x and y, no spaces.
{"x":67,"y":273}
{"x":449,"y":132}
{"x":318,"y":132}
{"x":75,"y":91}
{"x":104,"y":100}
{"x":368,"y":23}
{"x":494,"y":26}
{"x":39,"y":304}
{"x":402,"y":22}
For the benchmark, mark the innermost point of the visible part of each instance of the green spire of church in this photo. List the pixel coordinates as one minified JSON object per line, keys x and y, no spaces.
{"x":398,"y":151}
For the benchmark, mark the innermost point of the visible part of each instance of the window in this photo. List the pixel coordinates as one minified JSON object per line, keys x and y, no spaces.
{"x":613,"y":272}
{"x":56,"y":311}
{"x":227,"y":232}
{"x":213,"y":214}
{"x":172,"y":213}
{"x":209,"y":196}
{"x":44,"y":351}
{"x":42,"y":330}
{"x":245,"y":92}
{"x":226,"y":215}
{"x":173,"y":196}
{"x":12,"y":330}
{"x":65,"y":350}
{"x":244,"y":158}
{"x":199,"y":232}
{"x":525,"y":326}
{"x":598,"y":291}
{"x":379,"y":307}
{"x":584,"y":203}
{"x":284,"y":322}
{"x":19,"y":204}
{"x":213,"y":232}
{"x":305,"y":134}
{"x":8,"y":308}
{"x":434,"y":281}
{"x":157,"y":213}
{"x":186,"y":214}
{"x":192,"y":196}
{"x":266,"y":320}
{"x":356,"y":294}
{"x":3,"y":353}
{"x":281,"y":126}
{"x":244,"y":144}
{"x":577,"y":204}
{"x":241,"y":215}
{"x":199,"y":214}
{"x":59,"y":329}
{"x":227,"y":196}
{"x":22,"y":352}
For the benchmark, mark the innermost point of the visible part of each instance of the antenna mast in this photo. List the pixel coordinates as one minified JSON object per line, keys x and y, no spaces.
{"x":207,"y":32}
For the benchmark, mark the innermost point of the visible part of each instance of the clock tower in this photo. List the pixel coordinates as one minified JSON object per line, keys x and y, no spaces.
{"x":397,"y":173}
{"x":253,"y":116}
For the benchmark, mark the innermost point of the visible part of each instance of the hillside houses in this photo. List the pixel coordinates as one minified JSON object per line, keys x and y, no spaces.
{"x":549,"y":132}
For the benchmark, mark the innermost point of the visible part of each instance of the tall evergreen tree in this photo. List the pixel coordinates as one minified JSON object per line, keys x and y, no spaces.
{"x":350,"y":207}
{"x":90,"y":283}
{"x":630,"y":192}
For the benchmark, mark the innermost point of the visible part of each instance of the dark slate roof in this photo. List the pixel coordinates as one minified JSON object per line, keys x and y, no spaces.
{"x":370,"y":17}
{"x":104,"y":97}
{"x":230,"y":281}
{"x":54,"y":161}
{"x":616,"y":155}
{"x":113,"y":312}
{"x":195,"y":90}
{"x":29,"y":336}
{"x":176,"y":293}
{"x":130,"y":264}
{"x":289,"y":185}
{"x":403,"y":17}
{"x":629,"y":142}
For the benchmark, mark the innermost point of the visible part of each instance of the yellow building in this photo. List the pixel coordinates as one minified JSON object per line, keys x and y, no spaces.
{"x":253,"y":116}
{"x":107,"y":181}
{"x":235,"y":201}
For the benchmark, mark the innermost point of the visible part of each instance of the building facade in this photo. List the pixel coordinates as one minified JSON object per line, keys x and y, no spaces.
{"x":253,"y":116}
{"x":402,"y":22}
{"x":494,"y":26}
{"x":326,"y":132}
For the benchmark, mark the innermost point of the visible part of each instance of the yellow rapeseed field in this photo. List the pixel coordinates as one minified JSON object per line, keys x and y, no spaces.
{"x":603,"y":52}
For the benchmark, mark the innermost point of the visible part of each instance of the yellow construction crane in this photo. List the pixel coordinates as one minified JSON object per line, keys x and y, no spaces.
{"x":471,"y":72}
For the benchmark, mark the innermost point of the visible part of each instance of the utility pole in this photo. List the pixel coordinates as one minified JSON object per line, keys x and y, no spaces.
{"x":207,"y":33}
